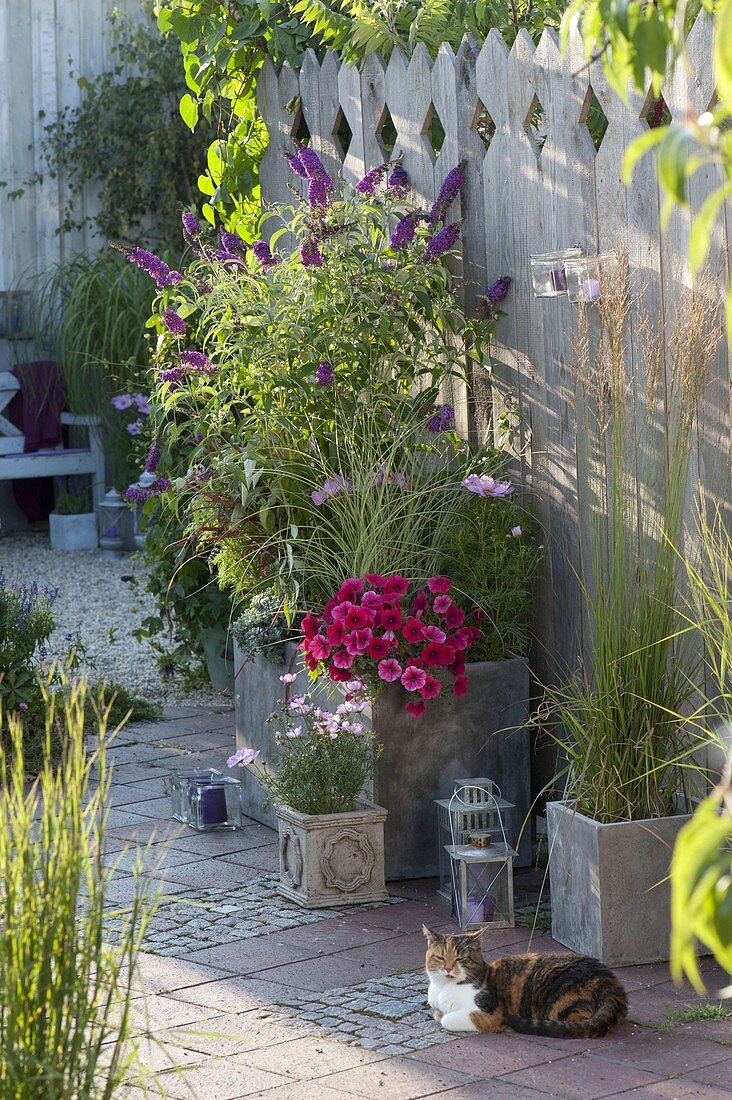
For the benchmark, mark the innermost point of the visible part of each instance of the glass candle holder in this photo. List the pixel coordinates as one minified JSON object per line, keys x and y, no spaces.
{"x":548,"y":277}
{"x":585,"y":276}
{"x":206,"y":799}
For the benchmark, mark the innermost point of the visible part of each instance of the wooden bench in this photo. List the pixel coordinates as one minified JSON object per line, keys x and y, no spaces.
{"x":61,"y":462}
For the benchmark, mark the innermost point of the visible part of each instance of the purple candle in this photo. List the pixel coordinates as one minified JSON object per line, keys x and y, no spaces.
{"x":591,"y":290}
{"x":213,"y":805}
{"x":558,"y":279}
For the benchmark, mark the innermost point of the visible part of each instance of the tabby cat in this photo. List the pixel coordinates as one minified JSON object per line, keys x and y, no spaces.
{"x":564,"y":996}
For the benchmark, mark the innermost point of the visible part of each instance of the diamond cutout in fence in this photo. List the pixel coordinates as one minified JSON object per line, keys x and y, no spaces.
{"x":343,"y":134}
{"x":536,"y":126}
{"x":594,"y":118}
{"x":386,"y":133}
{"x":483,"y":125}
{"x":656,"y":112}
{"x":435,"y":131}
{"x":300,"y":133}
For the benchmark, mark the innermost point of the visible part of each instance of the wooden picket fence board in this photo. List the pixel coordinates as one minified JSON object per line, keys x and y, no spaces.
{"x":528,"y":190}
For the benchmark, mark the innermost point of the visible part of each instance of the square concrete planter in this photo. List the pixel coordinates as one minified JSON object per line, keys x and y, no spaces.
{"x":75,"y":532}
{"x":482,"y":734}
{"x":609,"y":890}
{"x":332,"y":859}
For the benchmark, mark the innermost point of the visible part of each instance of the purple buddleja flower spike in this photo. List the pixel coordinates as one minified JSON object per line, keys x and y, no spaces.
{"x":325,"y":373}
{"x":368,"y":184}
{"x":161,"y":485}
{"x":443,"y":420}
{"x":261,"y":252}
{"x":398,"y":181}
{"x":154,"y":266}
{"x":153,"y":457}
{"x":174,"y":375}
{"x":197,"y":362}
{"x":296,"y":165}
{"x":191,"y":226}
{"x":442,"y":242}
{"x":174,"y":322}
{"x":310,"y":254}
{"x":405,"y":229}
{"x":136,"y":494}
{"x":498,"y":290}
{"x":318,"y":192}
{"x":313,"y":165}
{"x":232,"y":242}
{"x":447,"y":194}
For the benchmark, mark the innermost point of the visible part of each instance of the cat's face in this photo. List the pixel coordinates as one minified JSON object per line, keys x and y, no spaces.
{"x":454,"y":958}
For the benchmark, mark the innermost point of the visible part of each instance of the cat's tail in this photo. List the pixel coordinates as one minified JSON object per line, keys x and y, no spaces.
{"x":610,"y":1013}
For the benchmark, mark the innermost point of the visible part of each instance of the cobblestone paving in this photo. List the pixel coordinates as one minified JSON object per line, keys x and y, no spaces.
{"x":209,"y":917}
{"x":389,"y":1014}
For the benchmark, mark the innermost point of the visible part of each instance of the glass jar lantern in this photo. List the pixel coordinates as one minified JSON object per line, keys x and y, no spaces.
{"x":586,"y":275}
{"x":111,"y":512}
{"x":548,"y":276}
{"x":206,"y":799}
{"x":482,"y":885}
{"x":475,"y":808}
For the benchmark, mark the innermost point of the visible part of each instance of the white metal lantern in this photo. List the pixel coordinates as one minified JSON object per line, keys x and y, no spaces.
{"x":483,"y":885}
{"x":144,"y":482}
{"x":586,"y":276}
{"x":111,"y":513}
{"x":548,"y":277}
{"x":476,"y":807}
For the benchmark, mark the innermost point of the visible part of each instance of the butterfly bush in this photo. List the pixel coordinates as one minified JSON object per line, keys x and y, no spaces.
{"x":385,"y":629}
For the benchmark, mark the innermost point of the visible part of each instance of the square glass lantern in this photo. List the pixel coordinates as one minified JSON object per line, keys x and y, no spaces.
{"x":476,"y":809}
{"x":206,"y":799}
{"x":482,"y":885}
{"x":548,"y":277}
{"x":585,"y":276}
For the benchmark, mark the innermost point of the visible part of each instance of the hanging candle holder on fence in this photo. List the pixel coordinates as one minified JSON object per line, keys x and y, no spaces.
{"x":587,"y":275}
{"x":482,"y":870}
{"x":475,"y":808}
{"x":548,"y":276}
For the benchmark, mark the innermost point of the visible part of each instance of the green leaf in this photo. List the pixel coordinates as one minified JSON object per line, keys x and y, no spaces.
{"x":638,"y":149}
{"x":723,"y":51}
{"x":701,"y":230}
{"x":673,"y":161}
{"x":189,"y":111}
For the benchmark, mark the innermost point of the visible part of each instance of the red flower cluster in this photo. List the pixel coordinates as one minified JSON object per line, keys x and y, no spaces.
{"x":372,"y":631}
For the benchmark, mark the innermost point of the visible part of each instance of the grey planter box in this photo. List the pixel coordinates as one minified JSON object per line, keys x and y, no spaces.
{"x":609,"y":889}
{"x":421,"y":758}
{"x":332,"y":859}
{"x":76,"y":532}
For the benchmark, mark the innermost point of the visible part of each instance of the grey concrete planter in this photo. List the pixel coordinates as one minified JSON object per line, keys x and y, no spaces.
{"x":421,"y":758}
{"x":332,"y":859}
{"x":609,"y":897}
{"x":76,"y":532}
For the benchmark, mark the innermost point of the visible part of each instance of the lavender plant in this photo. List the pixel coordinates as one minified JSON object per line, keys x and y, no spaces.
{"x":26,"y":623}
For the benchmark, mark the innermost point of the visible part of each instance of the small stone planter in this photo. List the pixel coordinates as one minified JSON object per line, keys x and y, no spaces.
{"x":609,"y":885}
{"x":75,"y":532}
{"x":332,"y":859}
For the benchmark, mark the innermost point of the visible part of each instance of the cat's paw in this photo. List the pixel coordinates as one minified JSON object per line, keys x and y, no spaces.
{"x":458,"y":1021}
{"x":437,"y":1014}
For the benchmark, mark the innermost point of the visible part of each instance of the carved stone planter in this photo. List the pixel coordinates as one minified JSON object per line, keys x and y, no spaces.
{"x":332,"y":859}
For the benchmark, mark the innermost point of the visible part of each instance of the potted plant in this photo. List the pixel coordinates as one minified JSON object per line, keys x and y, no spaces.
{"x":628,"y":750}
{"x":331,"y":839}
{"x":72,"y":523}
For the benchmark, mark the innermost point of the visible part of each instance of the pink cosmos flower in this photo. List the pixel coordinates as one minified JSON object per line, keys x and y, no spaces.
{"x":515,"y":532}
{"x":431,"y":688}
{"x":460,"y":686}
{"x":242,"y":758}
{"x":486,"y":486}
{"x":416,"y":708}
{"x":320,"y":648}
{"x":454,"y":617}
{"x":389,"y":670}
{"x":413,"y":631}
{"x":378,"y":648}
{"x":396,"y":586}
{"x":288,"y":678}
{"x":413,"y":678}
{"x":439,"y":586}
{"x":391,"y":618}
{"x":441,"y":604}
{"x":433,"y":634}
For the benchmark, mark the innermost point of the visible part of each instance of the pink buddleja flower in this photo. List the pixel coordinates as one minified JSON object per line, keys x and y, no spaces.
{"x":413,"y":678}
{"x":389,"y":670}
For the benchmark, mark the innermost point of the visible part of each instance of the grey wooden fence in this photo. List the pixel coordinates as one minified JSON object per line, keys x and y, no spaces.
{"x":535,"y":183}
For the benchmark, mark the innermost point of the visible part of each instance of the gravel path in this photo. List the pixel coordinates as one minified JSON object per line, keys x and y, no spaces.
{"x":94,"y":599}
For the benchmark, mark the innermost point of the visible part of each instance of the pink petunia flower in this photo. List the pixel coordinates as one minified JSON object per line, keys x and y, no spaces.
{"x":342,"y":659}
{"x":439,"y":586}
{"x":320,"y":648}
{"x":434,"y":634}
{"x":351,"y":589}
{"x":336,"y":633}
{"x":413,"y":678}
{"x":431,"y":688}
{"x":441,"y":604}
{"x":372,"y":599}
{"x":340,"y":611}
{"x":357,"y":641}
{"x":359,"y":617}
{"x":310,"y":625}
{"x":389,"y":670}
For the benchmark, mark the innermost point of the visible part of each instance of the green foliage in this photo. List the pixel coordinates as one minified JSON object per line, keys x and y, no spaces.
{"x":262,"y":627}
{"x":66,"y":990}
{"x":224,"y":46}
{"x":89,"y":319}
{"x":72,"y":502}
{"x":325,"y":759}
{"x":149,"y":167}
{"x":619,"y":724}
{"x":119,"y":705}
{"x":26,"y":623}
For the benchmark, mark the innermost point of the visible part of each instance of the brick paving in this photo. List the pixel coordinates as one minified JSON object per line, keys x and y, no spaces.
{"x":246,"y":995}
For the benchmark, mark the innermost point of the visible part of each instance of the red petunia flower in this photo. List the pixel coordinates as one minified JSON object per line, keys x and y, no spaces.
{"x":378,"y":648}
{"x":375,"y":579}
{"x":396,"y":586}
{"x":434,"y":634}
{"x":320,"y":648}
{"x":328,"y":610}
{"x":416,"y":708}
{"x":351,"y":589}
{"x":342,"y":659}
{"x":310,"y":625}
{"x":460,"y":686}
{"x":340,"y":610}
{"x":372,"y":599}
{"x":431,"y":688}
{"x":433,"y":654}
{"x":389,"y":670}
{"x":413,"y":631}
{"x":457,"y":668}
{"x":339,"y":674}
{"x":439,"y":586}
{"x":420,"y":601}
{"x":359,"y":617}
{"x":390,"y":618}
{"x":454,"y":617}
{"x":357,"y":641}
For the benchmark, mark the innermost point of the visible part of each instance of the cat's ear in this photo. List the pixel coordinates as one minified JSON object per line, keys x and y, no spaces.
{"x":431,"y":937}
{"x":477,"y":935}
